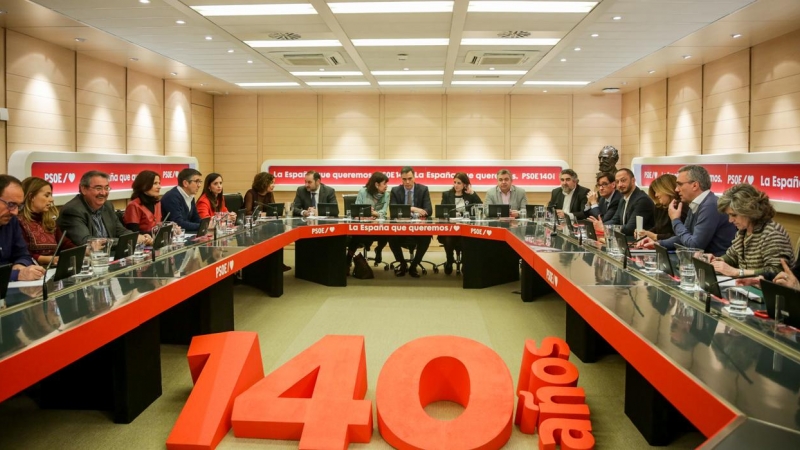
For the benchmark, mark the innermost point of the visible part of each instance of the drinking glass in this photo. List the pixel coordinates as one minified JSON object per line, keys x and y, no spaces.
{"x":99,"y":251}
{"x":287,"y":209}
{"x":523,"y":214}
{"x":248,"y":221}
{"x":688,"y":275}
{"x":738,"y":303}
{"x":650,"y":261}
{"x":611,"y":241}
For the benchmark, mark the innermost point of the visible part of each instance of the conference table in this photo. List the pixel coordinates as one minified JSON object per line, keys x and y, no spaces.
{"x":94,"y":342}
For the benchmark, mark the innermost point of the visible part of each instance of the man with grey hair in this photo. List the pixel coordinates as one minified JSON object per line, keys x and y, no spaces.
{"x":705,"y":228}
{"x":90,"y":215}
{"x":571,"y":197}
{"x":507,"y":194}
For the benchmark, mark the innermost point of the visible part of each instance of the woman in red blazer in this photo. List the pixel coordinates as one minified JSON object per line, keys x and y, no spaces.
{"x":144,"y":211}
{"x":212,"y":201}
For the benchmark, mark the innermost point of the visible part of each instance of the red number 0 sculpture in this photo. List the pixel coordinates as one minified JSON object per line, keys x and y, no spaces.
{"x":450,"y":368}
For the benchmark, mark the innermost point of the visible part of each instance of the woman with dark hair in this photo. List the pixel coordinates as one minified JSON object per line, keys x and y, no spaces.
{"x":144,"y":210}
{"x":373,"y":193}
{"x":760,"y":242}
{"x":212,"y":201}
{"x":662,"y":192}
{"x":261,"y":191}
{"x":462,"y":196}
{"x":38,"y":221}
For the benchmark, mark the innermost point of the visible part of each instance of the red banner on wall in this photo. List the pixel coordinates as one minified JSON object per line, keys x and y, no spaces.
{"x":65,"y":176}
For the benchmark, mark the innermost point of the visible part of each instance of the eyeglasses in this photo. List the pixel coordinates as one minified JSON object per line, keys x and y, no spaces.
{"x":10,"y":205}
{"x":101,"y":188}
{"x":685,"y":182}
{"x":601,"y":184}
{"x":195,"y":181}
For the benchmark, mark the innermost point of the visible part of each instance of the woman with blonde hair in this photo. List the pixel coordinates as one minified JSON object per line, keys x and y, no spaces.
{"x":760,"y":242}
{"x":38,"y":221}
{"x":662,"y":192}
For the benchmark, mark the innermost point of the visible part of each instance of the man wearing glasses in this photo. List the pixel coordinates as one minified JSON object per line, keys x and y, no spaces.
{"x":13,"y":249}
{"x":179,"y":201}
{"x":705,"y":226}
{"x":603,"y":202}
{"x":89,"y":214}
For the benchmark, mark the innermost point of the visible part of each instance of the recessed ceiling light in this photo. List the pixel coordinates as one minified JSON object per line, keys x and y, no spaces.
{"x":577,"y":49}
{"x":134,"y":59}
{"x":390,"y":7}
{"x":405,"y":68}
{"x":338,"y":83}
{"x":327,"y":74}
{"x":736,"y":36}
{"x":298,"y":43}
{"x":687,"y":56}
{"x":617,"y":17}
{"x":256,"y":10}
{"x":509,"y":42}
{"x":273,"y":84}
{"x":405,"y":71}
{"x":230,"y":50}
{"x":144,"y":1}
{"x":399,"y":42}
{"x":611,"y":90}
{"x":79,"y":39}
{"x":530,"y":7}
{"x":545,"y":91}
{"x":180,"y":22}
{"x":651,"y":71}
{"x":595,"y":35}
{"x":202,"y":84}
{"x":563,"y":59}
{"x":249,"y":61}
{"x":624,"y":83}
{"x":490,"y":72}
{"x":491,"y":68}
{"x":487,"y":83}
{"x":410,"y":83}
{"x":174,"y":74}
{"x":557,"y":83}
{"x":208,"y":38}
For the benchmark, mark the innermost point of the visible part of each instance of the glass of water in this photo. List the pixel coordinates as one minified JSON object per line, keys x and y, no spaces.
{"x":738,"y":303}
{"x":523,"y":213}
{"x":688,"y":275}
{"x":650,"y":262}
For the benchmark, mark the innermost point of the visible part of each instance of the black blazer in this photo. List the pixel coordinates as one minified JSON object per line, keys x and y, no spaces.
{"x":302,"y":199}
{"x":75,"y":220}
{"x":639,"y":204}
{"x":605,"y":208}
{"x":422,"y":197}
{"x":577,"y":204}
{"x":449,"y":198}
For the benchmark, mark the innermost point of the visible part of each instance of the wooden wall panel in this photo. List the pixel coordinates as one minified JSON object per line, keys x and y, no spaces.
{"x":350,"y":126}
{"x":177,"y":120}
{"x":653,"y":119}
{"x":475,"y":127}
{"x":145,"y":114}
{"x":630,"y":129}
{"x":203,"y":130}
{"x":413,"y":126}
{"x":100,"y":96}
{"x":289,"y":126}
{"x":40,"y":95}
{"x":596,"y":122}
{"x":540,"y":126}
{"x":236,"y":140}
{"x":775,"y":96}
{"x":726,"y":104}
{"x":685,"y":113}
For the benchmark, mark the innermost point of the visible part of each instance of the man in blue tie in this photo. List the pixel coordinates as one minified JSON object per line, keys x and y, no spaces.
{"x":311,"y":194}
{"x":418,"y":196}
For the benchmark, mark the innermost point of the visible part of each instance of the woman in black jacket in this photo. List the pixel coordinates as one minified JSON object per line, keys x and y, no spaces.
{"x":463,"y":197}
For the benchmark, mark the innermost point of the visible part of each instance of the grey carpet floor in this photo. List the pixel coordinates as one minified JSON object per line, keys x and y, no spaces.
{"x":388,"y":312}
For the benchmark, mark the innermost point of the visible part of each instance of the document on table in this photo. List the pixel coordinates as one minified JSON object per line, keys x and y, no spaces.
{"x":34,"y":283}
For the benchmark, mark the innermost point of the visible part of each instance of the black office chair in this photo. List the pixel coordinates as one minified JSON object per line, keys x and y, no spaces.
{"x":234,"y":202}
{"x":456,"y":261}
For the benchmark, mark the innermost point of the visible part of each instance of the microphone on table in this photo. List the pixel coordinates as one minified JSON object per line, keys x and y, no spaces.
{"x":269,"y":208}
{"x":44,"y":278}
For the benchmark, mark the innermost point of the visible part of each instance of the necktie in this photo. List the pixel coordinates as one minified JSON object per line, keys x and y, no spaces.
{"x":408,"y":197}
{"x":313,"y":199}
{"x":625,"y":212}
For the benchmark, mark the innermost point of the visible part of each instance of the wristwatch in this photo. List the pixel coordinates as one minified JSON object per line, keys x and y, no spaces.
{"x":741,"y":272}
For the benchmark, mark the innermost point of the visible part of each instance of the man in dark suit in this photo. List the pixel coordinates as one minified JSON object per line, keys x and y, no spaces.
{"x":606,"y":207}
{"x":705,"y":226}
{"x":418,"y":196}
{"x":570,"y":198}
{"x":635,"y":202}
{"x":312,"y":194}
{"x":90,"y":215}
{"x":179,"y":201}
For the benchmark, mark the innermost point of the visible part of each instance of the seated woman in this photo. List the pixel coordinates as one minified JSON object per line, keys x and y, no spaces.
{"x":760,"y":242}
{"x":373,"y":193}
{"x":212,"y":201}
{"x":662,"y":192}
{"x":260,"y":193}
{"x":463,"y":197}
{"x":144,"y":210}
{"x":38,"y":221}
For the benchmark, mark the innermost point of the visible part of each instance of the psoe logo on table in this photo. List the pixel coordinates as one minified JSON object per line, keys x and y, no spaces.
{"x":481,"y":231}
{"x":224,"y":269}
{"x":552,"y":278}
{"x":323,"y":230}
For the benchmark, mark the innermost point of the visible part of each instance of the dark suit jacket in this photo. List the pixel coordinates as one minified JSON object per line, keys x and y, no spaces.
{"x":606,"y":208}
{"x":639,"y":204}
{"x":577,"y":204}
{"x":708,"y":229}
{"x":422,"y":197}
{"x":302,"y":199}
{"x":173,"y":203}
{"x":75,"y":220}
{"x":449,"y":198}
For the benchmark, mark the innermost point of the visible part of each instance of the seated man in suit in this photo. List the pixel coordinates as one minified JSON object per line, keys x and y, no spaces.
{"x":179,"y":201}
{"x":570,"y":198}
{"x":312,"y":194}
{"x":507,"y":194}
{"x":13,"y":249}
{"x":635,"y":202}
{"x":705,"y":226}
{"x":603,"y":203}
{"x":418,"y":196}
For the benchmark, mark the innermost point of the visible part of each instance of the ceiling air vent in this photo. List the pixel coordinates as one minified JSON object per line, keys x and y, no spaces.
{"x":499,"y":58}
{"x":310,"y":59}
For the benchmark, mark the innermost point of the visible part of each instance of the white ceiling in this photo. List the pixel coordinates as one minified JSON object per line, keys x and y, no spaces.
{"x":652,"y":35}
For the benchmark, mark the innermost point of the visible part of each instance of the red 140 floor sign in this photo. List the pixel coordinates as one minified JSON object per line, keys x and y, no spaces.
{"x":317,"y":397}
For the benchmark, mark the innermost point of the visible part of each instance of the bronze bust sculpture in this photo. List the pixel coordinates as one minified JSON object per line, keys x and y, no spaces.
{"x":608,"y":158}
